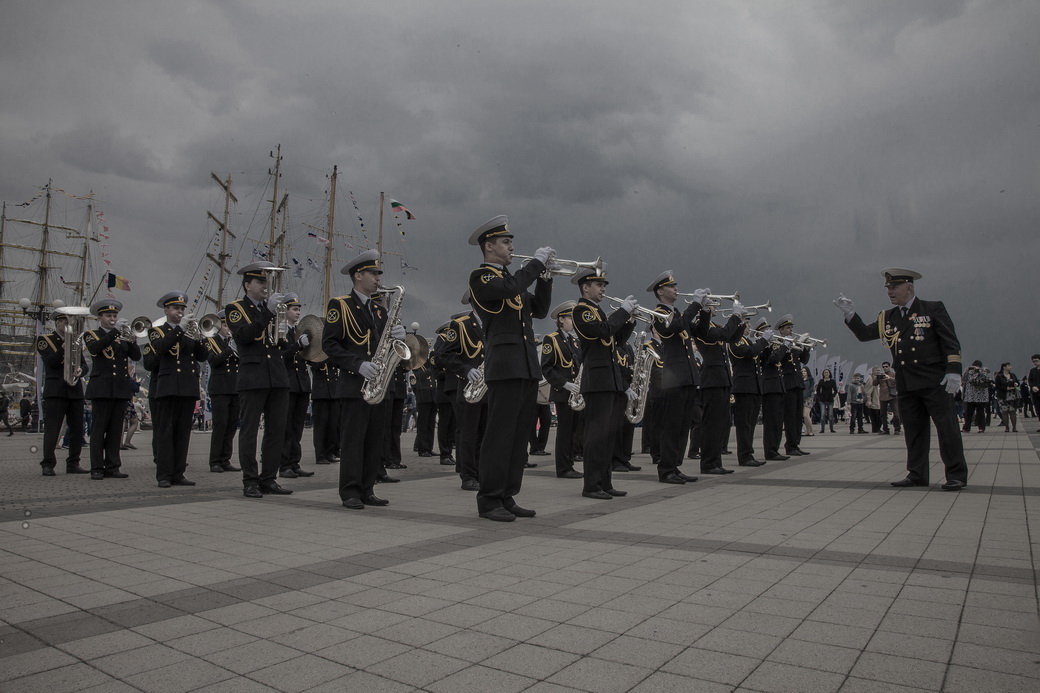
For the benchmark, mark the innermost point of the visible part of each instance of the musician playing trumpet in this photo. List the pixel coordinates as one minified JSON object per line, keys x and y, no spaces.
{"x":223,"y":394}
{"x":176,"y":387}
{"x":109,"y":388}
{"x":561,"y":357}
{"x":299,"y":390}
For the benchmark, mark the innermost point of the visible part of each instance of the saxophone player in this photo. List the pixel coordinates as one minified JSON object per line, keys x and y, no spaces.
{"x":176,"y":388}
{"x":352,"y":330}
{"x":61,"y":401}
{"x":561,"y":356}
{"x":109,"y":388}
{"x":263,"y":384}
{"x":223,"y":384}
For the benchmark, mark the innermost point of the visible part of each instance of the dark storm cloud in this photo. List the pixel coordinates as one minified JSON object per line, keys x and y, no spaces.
{"x":99,"y":148}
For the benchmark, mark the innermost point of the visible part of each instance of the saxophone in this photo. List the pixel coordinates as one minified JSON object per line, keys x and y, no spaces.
{"x":577,"y":400}
{"x":474,"y":390}
{"x":73,"y":346}
{"x":641,"y":369}
{"x":389,"y":352}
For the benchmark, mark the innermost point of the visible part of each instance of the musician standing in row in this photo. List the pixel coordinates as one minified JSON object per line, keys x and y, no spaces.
{"x":561,"y":358}
{"x":511,"y":369}
{"x":794,"y":387}
{"x":263,"y":384}
{"x":176,"y":389}
{"x":747,"y":392}
{"x":223,"y":395}
{"x":325,"y":410}
{"x":109,"y":388}
{"x":712,"y":341}
{"x":422,"y":383}
{"x":626,"y":430}
{"x":299,"y":390}
{"x":601,"y":384}
{"x":927,"y":355}
{"x":61,"y":401}
{"x":354,"y":325}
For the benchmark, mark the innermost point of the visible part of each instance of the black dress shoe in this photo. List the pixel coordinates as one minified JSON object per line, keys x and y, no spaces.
{"x":165,"y":483}
{"x":123,"y":447}
{"x":470,"y":485}
{"x":274,"y":489}
{"x":750,"y":463}
{"x":183,"y":482}
{"x":386,"y":479}
{"x":97,"y":476}
{"x":397,"y":465}
{"x":447,"y":460}
{"x":353,"y":504}
{"x":618,"y":468}
{"x":714,"y":470}
{"x":903,"y":483}
{"x":288,"y":474}
{"x":252,"y":491}
{"x":498,"y":515}
{"x":617,"y":494}
{"x":334,"y":459}
{"x":131,"y":447}
{"x":425,"y":453}
{"x":303,"y":472}
{"x":777,"y":457}
{"x":672,"y":478}
{"x":216,"y":469}
{"x":230,"y":467}
{"x":520,"y":512}
{"x":726,"y":452}
{"x":801,"y":452}
{"x":49,"y":471}
{"x":686,"y":477}
{"x":540,"y":453}
{"x":529,"y":465}
{"x":374,"y":500}
{"x":76,"y":470}
{"x":116,"y":475}
{"x":726,"y":471}
{"x":571,"y":474}
{"x":581,"y":458}
{"x":953,"y":486}
{"x":633,"y":468}
{"x":793,"y":453}
{"x":597,"y":495}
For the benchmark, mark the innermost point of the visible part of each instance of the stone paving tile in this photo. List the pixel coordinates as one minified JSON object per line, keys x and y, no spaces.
{"x":470,"y":646}
{"x":964,"y":680}
{"x":598,"y":676}
{"x":103,"y":645}
{"x":774,"y":677}
{"x":813,"y":655}
{"x":179,"y":678}
{"x":300,"y":673}
{"x":363,"y":651}
{"x":75,"y":677}
{"x":899,"y":670}
{"x":129,"y":662}
{"x":574,"y":639}
{"x":719,"y":667}
{"x":477,"y":679}
{"x":637,"y":652}
{"x":251,"y":656}
{"x":418,"y":668}
{"x":532,"y":661}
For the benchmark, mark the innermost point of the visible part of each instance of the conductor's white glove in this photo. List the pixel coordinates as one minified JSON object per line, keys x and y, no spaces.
{"x":572,"y":388}
{"x":473,"y":375}
{"x":700,"y":296}
{"x":274,"y":299}
{"x":629,"y":305}
{"x":368,"y":370}
{"x":398,"y":332}
{"x":631,"y":394}
{"x":543,"y":254}
{"x":845,"y":305}
{"x":952,"y":382}
{"x":304,"y":340}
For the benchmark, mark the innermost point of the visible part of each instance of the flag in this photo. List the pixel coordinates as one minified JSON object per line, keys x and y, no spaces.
{"x":258,"y":255}
{"x":320,"y":239}
{"x":297,"y":268}
{"x":396,"y":207}
{"x":117,"y":282}
{"x":312,"y":264}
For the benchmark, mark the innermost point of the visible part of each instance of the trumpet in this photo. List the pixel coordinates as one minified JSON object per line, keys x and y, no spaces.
{"x":205,"y":327}
{"x":566,"y":268}
{"x":749,"y":310}
{"x":640,"y":313}
{"x":713,"y":299}
{"x":805,"y":340}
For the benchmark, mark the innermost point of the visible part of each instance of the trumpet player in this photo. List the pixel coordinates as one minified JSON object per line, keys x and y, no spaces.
{"x":109,"y":388}
{"x":299,"y":390}
{"x":602,"y":383}
{"x":561,"y":357}
{"x":794,"y":389}
{"x":223,"y":393}
{"x":263,"y":384}
{"x":176,"y":388}
{"x":506,"y":308}
{"x":61,"y":401}
{"x":712,"y":341}
{"x":747,"y":392}
{"x":352,"y":330}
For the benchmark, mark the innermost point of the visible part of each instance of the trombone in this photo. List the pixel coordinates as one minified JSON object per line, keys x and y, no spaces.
{"x":645,"y":314}
{"x":566,"y":268}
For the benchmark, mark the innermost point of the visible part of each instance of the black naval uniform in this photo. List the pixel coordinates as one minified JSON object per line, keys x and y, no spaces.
{"x":747,"y":393}
{"x":794,"y":398}
{"x":325,"y":412}
{"x":176,"y":388}
{"x":395,"y":395}
{"x":426,"y":410}
{"x":444,"y":386}
{"x":603,"y":387}
{"x":675,"y":408}
{"x":151,"y":364}
{"x":299,"y":398}
{"x":626,"y":430}
{"x":561,"y":358}
{"x":109,"y":390}
{"x":712,"y":342}
{"x":511,"y":372}
{"x":263,"y":389}
{"x":459,"y":348}
{"x":924,"y":349}
{"x":353,"y":326}
{"x":649,"y":438}
{"x":223,"y":393}
{"x":61,"y":401}
{"x":773,"y":390}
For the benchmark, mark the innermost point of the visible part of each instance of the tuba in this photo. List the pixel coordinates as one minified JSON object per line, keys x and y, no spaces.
{"x":474,"y":390}
{"x":389,"y":352}
{"x":576,"y":401}
{"x":77,"y":316}
{"x":641,"y":369}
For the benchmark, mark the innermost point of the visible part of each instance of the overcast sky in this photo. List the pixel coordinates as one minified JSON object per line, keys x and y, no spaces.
{"x":785,"y":150}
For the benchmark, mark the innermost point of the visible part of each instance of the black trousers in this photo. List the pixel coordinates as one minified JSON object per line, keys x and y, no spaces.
{"x":56,"y":410}
{"x":601,"y":424}
{"x":511,"y":409}
{"x":891,"y":405}
{"x":540,"y":431}
{"x":624,"y":435}
{"x":673,"y":417}
{"x":714,"y":426}
{"x":363,"y":430}
{"x":225,"y":424}
{"x":106,"y":434}
{"x":446,"y":428}
{"x":695,"y":426}
{"x":392,"y":440}
{"x":566,"y":429}
{"x":974,"y":413}
{"x":325,"y":429}
{"x":745,"y":418}
{"x":472,"y":424}
{"x":916,"y":408}
{"x":794,"y":402}
{"x":772,"y":422}
{"x":173,"y":434}
{"x":296,"y":415}
{"x":425,"y":425}
{"x":273,"y":405}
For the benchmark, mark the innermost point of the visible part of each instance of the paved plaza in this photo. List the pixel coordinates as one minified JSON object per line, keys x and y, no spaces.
{"x":810,"y":575}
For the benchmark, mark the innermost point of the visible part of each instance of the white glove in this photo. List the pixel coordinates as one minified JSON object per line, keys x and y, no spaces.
{"x":952,"y":382}
{"x":121,"y":323}
{"x":631,"y":394}
{"x":572,"y":388}
{"x":543,"y":254}
{"x":700,"y":296}
{"x":368,"y":370}
{"x":473,"y":375}
{"x":398,"y":332}
{"x":304,"y":340}
{"x":768,"y":335}
{"x":845,"y":305}
{"x":738,"y":309}
{"x":273,"y":300}
{"x":629,"y":305}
